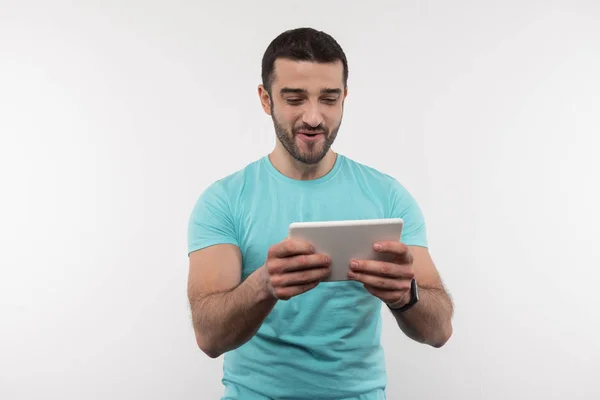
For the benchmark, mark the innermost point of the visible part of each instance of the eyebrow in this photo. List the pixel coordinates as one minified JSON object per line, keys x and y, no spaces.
{"x":304,"y":91}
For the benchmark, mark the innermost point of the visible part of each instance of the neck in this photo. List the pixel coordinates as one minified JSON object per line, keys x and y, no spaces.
{"x":294,"y":169}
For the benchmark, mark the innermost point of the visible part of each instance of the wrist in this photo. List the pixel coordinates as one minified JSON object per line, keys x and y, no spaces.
{"x":262,"y":285}
{"x":407,"y":301}
{"x":403,"y":301}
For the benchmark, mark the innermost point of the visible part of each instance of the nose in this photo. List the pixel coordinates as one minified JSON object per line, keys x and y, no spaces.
{"x":312,"y":115}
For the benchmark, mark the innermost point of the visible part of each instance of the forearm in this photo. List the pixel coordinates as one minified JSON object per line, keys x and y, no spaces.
{"x":226,"y":320}
{"x":430,"y":320}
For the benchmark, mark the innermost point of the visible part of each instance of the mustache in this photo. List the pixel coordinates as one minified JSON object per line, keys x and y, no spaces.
{"x":307,"y":128}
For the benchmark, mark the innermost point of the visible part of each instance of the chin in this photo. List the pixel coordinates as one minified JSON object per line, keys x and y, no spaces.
{"x":310,"y":158}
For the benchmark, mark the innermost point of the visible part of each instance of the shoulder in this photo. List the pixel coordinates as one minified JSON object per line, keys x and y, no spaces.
{"x":223,"y":193}
{"x":214,"y":219}
{"x":399,"y":203}
{"x":397,"y":199}
{"x":375,"y":177}
{"x":232,"y":184}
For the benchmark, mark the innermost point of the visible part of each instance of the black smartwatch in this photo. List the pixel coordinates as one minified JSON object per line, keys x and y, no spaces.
{"x":414,"y":298}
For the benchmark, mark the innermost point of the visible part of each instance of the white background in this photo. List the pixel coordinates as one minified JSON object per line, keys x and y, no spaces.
{"x":114,"y":116}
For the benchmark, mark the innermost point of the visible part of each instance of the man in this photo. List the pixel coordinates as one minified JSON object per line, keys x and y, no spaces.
{"x":255,"y":295}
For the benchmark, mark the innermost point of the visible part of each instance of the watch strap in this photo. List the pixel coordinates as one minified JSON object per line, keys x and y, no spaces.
{"x":414,"y":298}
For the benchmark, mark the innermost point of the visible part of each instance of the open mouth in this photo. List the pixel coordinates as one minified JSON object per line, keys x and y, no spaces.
{"x":310,"y":134}
{"x":310,"y":137}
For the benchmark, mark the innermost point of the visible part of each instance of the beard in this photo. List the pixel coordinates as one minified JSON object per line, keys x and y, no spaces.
{"x":316,"y":151}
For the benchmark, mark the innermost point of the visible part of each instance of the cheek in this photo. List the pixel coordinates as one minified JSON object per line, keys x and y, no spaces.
{"x":287,"y":118}
{"x":333,"y":117}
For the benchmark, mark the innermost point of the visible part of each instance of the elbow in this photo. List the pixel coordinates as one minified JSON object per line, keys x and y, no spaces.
{"x":207,"y":348}
{"x":439,"y":344}
{"x":444,"y":337}
{"x":212,"y":353}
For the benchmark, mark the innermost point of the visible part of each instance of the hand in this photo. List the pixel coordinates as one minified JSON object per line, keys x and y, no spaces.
{"x":389,"y":281}
{"x":292,"y":267}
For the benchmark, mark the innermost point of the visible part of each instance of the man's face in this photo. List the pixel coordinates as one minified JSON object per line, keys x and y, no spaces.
{"x":306,"y":106}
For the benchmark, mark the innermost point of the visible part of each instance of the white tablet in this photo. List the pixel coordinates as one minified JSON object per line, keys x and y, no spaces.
{"x":346,"y":240}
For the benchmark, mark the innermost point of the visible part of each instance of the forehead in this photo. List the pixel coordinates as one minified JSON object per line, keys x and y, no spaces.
{"x":308,"y":74}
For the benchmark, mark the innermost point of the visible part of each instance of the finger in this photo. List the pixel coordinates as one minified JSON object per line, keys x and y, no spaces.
{"x":299,"y":278}
{"x":399,"y":249}
{"x":298,"y":263}
{"x":380,"y":282}
{"x":303,"y":262}
{"x":287,"y":292}
{"x":382,"y":268}
{"x":290,"y":247}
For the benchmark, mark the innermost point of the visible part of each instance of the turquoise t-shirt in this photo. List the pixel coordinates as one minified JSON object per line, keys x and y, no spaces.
{"x":325,"y":343}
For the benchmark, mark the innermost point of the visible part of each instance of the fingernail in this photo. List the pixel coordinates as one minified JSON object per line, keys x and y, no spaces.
{"x":377,"y":246}
{"x":353,"y":264}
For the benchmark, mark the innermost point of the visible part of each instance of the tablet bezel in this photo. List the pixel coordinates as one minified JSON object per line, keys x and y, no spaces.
{"x":334,"y":237}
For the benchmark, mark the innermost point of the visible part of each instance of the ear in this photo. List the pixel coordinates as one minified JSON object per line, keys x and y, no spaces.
{"x":265,"y":99}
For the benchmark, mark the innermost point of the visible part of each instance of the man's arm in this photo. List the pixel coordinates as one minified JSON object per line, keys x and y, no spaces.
{"x":430,"y":320}
{"x":225,"y":312}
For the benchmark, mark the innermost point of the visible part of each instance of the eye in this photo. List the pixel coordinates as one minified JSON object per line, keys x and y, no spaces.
{"x":294,"y":101}
{"x":330,"y":100}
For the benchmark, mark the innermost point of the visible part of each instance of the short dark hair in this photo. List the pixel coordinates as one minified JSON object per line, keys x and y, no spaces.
{"x":302,"y":44}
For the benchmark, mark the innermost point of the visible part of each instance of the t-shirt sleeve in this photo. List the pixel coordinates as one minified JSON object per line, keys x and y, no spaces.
{"x":211,"y":221}
{"x":404,"y":205}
